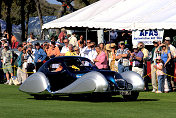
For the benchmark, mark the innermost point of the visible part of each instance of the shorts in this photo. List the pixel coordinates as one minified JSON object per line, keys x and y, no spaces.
{"x":7,"y":68}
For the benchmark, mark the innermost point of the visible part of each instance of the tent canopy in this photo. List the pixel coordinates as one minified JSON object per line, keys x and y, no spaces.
{"x":121,"y":14}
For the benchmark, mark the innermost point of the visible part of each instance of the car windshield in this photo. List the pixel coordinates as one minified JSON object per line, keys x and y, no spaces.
{"x":79,"y":64}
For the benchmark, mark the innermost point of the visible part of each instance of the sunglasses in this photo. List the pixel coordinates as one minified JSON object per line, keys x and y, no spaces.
{"x":88,"y":42}
{"x":65,"y":42}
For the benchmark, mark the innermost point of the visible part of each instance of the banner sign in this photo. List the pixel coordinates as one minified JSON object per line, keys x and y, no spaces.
{"x":147,"y":36}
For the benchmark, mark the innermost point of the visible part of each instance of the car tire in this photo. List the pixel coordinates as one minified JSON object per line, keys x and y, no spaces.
{"x":133,"y":97}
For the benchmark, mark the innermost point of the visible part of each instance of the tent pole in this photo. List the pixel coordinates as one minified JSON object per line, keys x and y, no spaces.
{"x":86,"y":35}
{"x":109,"y":35}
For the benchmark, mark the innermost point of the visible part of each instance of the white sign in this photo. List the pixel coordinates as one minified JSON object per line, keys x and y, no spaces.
{"x":147,"y":36}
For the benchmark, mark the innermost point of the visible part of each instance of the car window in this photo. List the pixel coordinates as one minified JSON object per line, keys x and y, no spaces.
{"x":55,"y":67}
{"x":79,"y":64}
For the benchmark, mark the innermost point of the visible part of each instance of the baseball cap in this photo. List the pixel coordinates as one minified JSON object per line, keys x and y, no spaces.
{"x":112,"y":45}
{"x":135,"y":46}
{"x":167,"y":38}
{"x":155,"y":41}
{"x":6,"y":44}
{"x":121,"y":42}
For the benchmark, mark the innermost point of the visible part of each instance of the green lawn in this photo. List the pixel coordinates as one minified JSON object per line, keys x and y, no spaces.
{"x":15,"y":104}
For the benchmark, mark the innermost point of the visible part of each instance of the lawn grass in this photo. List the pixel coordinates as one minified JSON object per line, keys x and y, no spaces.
{"x":16,"y":104}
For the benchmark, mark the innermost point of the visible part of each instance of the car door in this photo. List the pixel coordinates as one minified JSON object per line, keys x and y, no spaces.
{"x":58,"y":78}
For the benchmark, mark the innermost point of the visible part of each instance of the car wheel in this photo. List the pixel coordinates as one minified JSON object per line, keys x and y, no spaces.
{"x":133,"y":97}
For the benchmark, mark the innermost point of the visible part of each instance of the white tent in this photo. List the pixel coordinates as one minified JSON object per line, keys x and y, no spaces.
{"x":121,"y":14}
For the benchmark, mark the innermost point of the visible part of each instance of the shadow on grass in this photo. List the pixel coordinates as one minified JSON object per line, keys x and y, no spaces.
{"x":88,"y":99}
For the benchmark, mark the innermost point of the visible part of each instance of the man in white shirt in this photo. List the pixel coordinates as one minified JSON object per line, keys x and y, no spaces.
{"x":90,"y":51}
{"x":86,"y":49}
{"x":73,"y":40}
{"x":65,"y":48}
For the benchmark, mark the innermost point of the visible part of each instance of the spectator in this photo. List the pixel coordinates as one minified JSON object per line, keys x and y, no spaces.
{"x":73,"y":40}
{"x":3,"y":41}
{"x":61,"y":35}
{"x":92,"y":53}
{"x":46,"y":47}
{"x":81,"y":41}
{"x":7,"y":62}
{"x":30,"y":61}
{"x":113,"y":36}
{"x":71,"y":51}
{"x":39,"y":55}
{"x":172,"y":63}
{"x":155,"y":52}
{"x":24,"y":44}
{"x":160,"y":74}
{"x":137,"y":59}
{"x":76,"y":49}
{"x":101,"y":59}
{"x":65,"y":48}
{"x":31,"y":38}
{"x":113,"y":51}
{"x":122,"y":56}
{"x":81,"y":49}
{"x":87,"y":49}
{"x":53,"y":50}
{"x":166,"y":57}
{"x":102,"y":47}
{"x":1,"y":71}
{"x":21,"y":75}
{"x":14,"y":42}
{"x":141,"y":47}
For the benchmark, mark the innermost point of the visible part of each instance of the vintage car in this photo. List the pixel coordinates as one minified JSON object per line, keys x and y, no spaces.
{"x":72,"y":75}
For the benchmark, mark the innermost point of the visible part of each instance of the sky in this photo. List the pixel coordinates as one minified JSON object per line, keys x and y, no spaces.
{"x":53,"y":1}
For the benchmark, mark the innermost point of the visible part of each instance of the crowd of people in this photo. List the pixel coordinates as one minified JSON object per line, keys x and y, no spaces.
{"x":110,"y":56}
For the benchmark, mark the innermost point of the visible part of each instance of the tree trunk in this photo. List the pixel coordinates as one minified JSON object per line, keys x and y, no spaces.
{"x":23,"y":20}
{"x":8,"y":22}
{"x":40,"y":17}
{"x":27,"y":19}
{"x":0,"y":13}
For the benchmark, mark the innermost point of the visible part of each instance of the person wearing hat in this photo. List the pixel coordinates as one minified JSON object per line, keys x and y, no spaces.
{"x":112,"y":55}
{"x":142,"y":48}
{"x":122,"y":56}
{"x":155,"y":52}
{"x":53,"y":50}
{"x":6,"y":59}
{"x":39,"y":55}
{"x":171,"y":66}
{"x":137,"y":59}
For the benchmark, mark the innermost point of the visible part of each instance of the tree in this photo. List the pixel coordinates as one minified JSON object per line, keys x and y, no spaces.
{"x":8,"y":4}
{"x":23,"y":20}
{"x":0,"y":12}
{"x":40,"y":15}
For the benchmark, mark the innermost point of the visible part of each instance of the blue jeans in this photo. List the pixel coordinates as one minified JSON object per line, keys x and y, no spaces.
{"x":161,"y":83}
{"x":122,"y":68}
